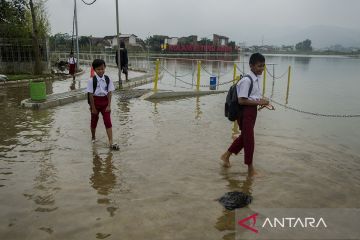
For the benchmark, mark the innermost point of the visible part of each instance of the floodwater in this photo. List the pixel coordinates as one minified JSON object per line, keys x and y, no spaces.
{"x":164,"y":181}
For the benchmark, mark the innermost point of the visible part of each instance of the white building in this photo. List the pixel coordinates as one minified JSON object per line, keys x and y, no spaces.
{"x":128,"y":39}
{"x":172,"y":40}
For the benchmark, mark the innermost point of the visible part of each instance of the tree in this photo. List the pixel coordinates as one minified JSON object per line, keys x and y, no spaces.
{"x":35,"y":38}
{"x":13,"y":18}
{"x":16,"y":19}
{"x":155,"y":42}
{"x":232,"y":44}
{"x":205,"y":41}
{"x":304,"y":45}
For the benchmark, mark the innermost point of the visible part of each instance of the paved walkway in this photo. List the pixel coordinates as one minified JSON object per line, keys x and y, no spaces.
{"x":62,"y":97}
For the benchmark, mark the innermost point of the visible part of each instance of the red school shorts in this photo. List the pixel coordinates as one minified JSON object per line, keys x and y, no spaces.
{"x":100,"y":104}
{"x":72,"y":69}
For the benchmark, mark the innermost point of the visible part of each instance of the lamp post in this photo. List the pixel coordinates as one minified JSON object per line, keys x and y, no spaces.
{"x":90,"y":38}
{"x":77,"y":35}
{"x":148,"y":50}
{"x":118,"y":42}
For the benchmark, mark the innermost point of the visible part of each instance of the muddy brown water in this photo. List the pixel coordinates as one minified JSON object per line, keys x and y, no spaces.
{"x":164,"y":181}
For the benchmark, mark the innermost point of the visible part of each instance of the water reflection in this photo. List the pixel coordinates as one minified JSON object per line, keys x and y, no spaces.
{"x":226,"y":222}
{"x":23,"y":133}
{"x":155,"y":109}
{"x":45,"y":185}
{"x":198,"y":111}
{"x":125,"y":120}
{"x":72,"y":85}
{"x":302,"y":60}
{"x":103,"y":179}
{"x":49,"y":87}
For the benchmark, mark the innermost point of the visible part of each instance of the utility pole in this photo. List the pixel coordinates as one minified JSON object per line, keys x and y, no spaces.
{"x":118,"y":42}
{"x":90,"y":47}
{"x":77,"y":35}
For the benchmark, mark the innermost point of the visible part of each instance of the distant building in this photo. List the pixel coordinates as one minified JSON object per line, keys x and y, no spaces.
{"x":192,"y":39}
{"x":172,"y":41}
{"x":287,"y":48}
{"x":128,"y":39}
{"x":219,"y":40}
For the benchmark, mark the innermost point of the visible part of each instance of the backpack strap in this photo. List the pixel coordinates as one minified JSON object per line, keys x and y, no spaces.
{"x":107,"y":80}
{"x":251,"y":84}
{"x":94,"y":83}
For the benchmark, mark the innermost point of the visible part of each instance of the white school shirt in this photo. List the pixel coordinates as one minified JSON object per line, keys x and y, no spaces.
{"x":243,"y":86}
{"x":101,"y":86}
{"x":72,"y":60}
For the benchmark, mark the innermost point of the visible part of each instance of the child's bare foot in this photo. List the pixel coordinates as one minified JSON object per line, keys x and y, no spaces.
{"x":226,"y":159}
{"x":114,"y":147}
{"x":251,"y":171}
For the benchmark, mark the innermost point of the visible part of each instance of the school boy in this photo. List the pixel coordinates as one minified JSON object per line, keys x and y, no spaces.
{"x":247,"y":118}
{"x":99,"y":90}
{"x":72,"y":61}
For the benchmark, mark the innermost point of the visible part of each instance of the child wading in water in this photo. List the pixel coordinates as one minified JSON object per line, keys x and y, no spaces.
{"x":247,"y":118}
{"x":99,"y":90}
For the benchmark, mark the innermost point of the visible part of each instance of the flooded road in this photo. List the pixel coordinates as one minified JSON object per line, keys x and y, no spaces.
{"x":164,"y":181}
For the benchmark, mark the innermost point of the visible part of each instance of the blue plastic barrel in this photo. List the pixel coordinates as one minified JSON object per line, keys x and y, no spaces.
{"x":213,"y":83}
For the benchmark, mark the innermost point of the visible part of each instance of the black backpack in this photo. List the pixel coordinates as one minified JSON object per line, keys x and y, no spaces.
{"x":232,"y":106}
{"x":107,"y":80}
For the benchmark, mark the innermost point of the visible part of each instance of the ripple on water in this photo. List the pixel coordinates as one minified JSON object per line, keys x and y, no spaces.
{"x":47,"y":230}
{"x":102,"y":235}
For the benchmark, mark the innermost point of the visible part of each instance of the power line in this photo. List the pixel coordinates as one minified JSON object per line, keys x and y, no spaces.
{"x":89,"y":3}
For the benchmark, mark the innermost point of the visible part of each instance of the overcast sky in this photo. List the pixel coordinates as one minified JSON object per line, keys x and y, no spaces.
{"x":251,"y":21}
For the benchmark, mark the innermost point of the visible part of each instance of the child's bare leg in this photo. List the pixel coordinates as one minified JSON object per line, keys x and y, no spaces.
{"x":93,"y":130}
{"x":109,"y":134}
{"x":226,"y":158}
{"x":251,"y":170}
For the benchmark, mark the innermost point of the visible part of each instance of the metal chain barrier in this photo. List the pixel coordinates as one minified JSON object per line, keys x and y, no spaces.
{"x":212,"y":74}
{"x":206,"y":70}
{"x":178,"y":78}
{"x":173,"y":85}
{"x":225,"y":73}
{"x":187,"y":74}
{"x":316,"y":114}
{"x":237,"y":67}
{"x":282,"y":75}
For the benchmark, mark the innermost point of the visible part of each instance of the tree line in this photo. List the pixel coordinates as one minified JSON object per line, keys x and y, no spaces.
{"x":25,"y":19}
{"x":16,"y":18}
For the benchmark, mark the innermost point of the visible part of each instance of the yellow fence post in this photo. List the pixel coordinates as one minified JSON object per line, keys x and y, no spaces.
{"x":156,"y":74}
{"x":234,"y":78}
{"x":288,"y":84}
{"x":198,"y":76}
{"x":264,"y":81}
